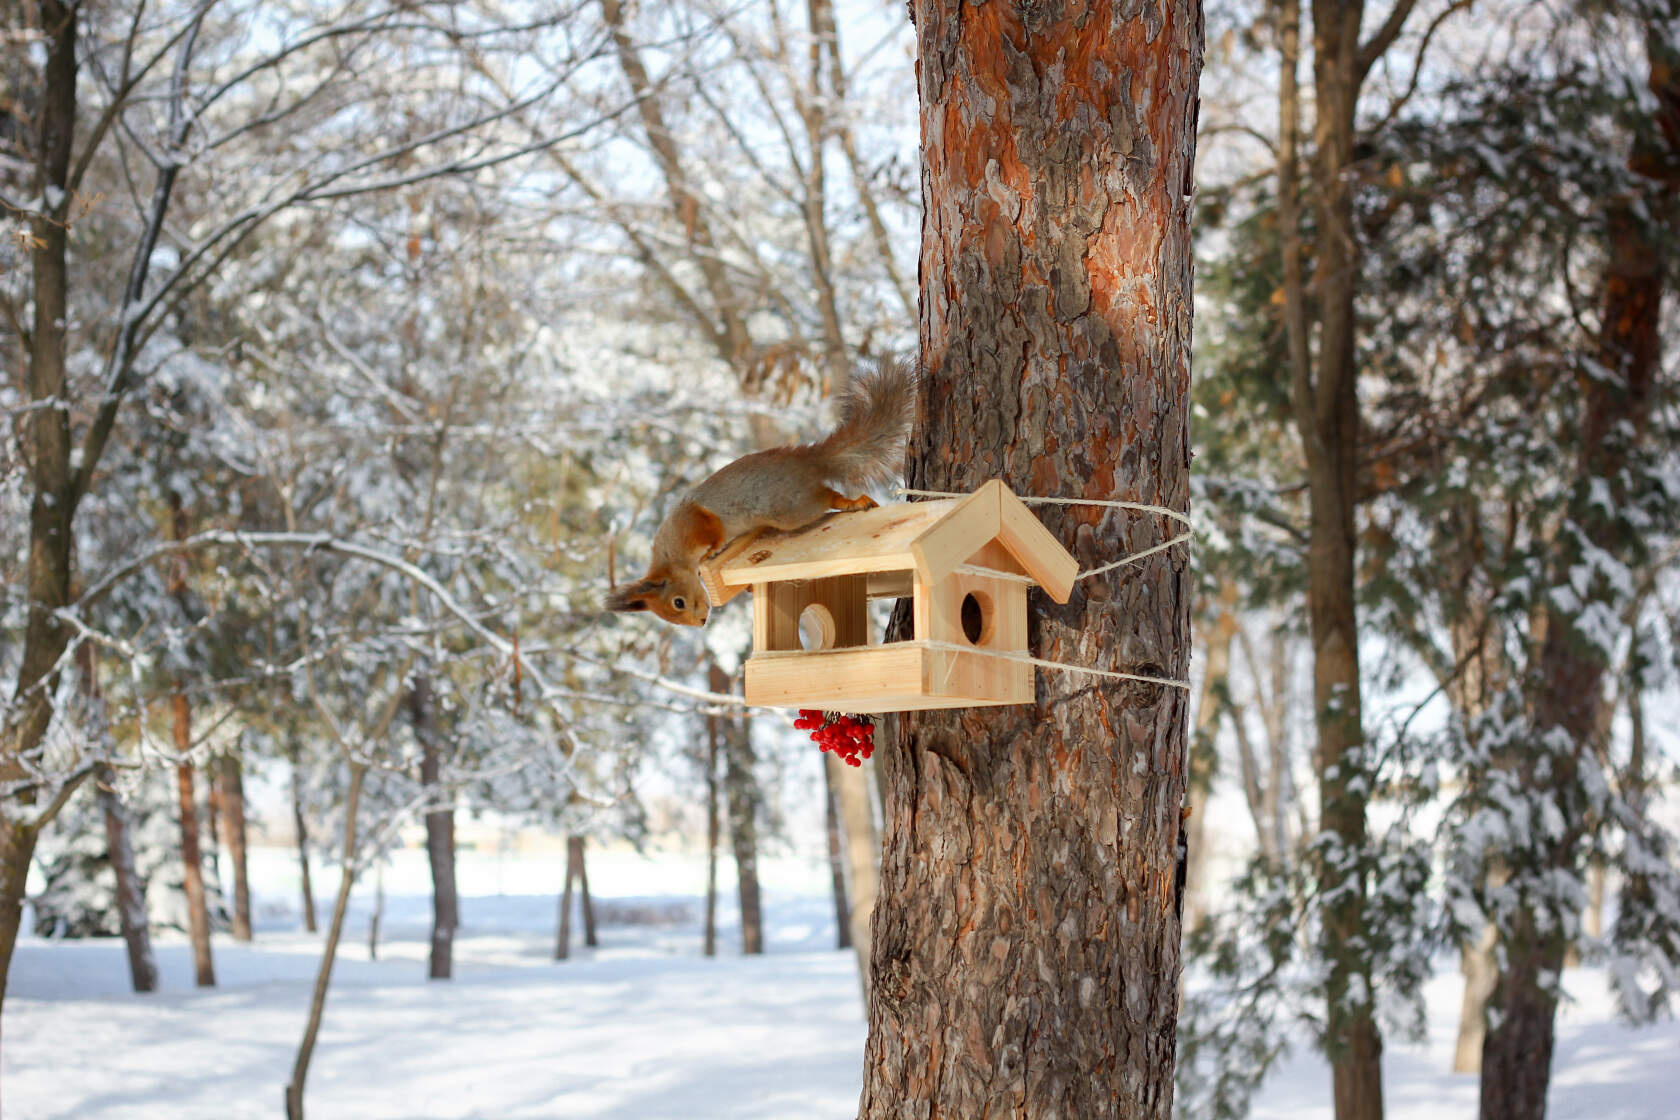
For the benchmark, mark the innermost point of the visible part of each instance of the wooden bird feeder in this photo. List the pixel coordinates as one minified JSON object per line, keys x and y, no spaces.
{"x":966,"y":563}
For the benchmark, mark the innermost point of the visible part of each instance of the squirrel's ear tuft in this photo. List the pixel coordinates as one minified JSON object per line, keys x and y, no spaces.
{"x":632,"y":598}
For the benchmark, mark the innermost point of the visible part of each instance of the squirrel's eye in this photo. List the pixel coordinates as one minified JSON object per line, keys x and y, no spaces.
{"x":679,"y":603}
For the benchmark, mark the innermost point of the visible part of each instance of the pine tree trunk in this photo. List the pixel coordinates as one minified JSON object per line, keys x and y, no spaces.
{"x":711,"y":834}
{"x":1026,"y":937}
{"x":233,"y":806}
{"x":836,"y":857}
{"x":1326,"y":405}
{"x":301,"y":827}
{"x":742,"y":798}
{"x":1517,"y":1055}
{"x":198,"y":912}
{"x":440,"y":834}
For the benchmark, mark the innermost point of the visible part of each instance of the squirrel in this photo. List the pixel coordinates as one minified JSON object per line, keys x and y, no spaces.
{"x":782,"y":488}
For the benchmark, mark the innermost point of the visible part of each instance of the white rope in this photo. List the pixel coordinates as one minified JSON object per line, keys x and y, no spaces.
{"x":1028,"y":659}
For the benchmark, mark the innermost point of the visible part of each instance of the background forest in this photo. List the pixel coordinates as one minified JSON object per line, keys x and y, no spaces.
{"x":352,"y":350}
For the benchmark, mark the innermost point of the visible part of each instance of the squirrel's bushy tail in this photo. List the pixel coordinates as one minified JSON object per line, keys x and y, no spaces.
{"x":875,"y":417}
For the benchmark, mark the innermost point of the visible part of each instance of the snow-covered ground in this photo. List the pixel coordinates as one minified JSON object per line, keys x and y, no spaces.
{"x":642,"y":1028}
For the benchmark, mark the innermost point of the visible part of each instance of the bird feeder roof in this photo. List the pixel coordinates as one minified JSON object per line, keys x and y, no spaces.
{"x":931,"y":539}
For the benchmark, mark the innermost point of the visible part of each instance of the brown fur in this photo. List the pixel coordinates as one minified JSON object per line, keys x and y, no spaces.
{"x":782,"y":488}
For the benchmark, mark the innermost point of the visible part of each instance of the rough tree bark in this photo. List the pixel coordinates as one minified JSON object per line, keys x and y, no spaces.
{"x":440,"y":833}
{"x":232,"y":780}
{"x":1517,"y":1053}
{"x":1026,"y":955}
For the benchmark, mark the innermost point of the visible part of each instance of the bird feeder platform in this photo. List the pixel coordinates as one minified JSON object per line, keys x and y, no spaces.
{"x":966,"y":564}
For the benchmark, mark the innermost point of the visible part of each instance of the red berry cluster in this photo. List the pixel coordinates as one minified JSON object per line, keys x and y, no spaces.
{"x":852,"y":738}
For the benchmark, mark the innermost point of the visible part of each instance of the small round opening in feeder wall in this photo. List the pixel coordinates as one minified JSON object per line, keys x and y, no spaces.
{"x":817,"y":629}
{"x":977,"y":618}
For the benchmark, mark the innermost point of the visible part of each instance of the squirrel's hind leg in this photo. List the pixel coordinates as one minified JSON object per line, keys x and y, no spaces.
{"x":837,"y":500}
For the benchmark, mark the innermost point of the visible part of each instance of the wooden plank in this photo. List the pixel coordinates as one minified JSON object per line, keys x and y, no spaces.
{"x":718,"y":589}
{"x":847,"y":599}
{"x":955,"y":675}
{"x":782,"y":604}
{"x":872,"y":540}
{"x":849,"y":680}
{"x":961,"y":533}
{"x":892,"y":585}
{"x":998,"y":559}
{"x":1038,"y":550}
{"x":761,"y":616}
{"x":898,"y":677}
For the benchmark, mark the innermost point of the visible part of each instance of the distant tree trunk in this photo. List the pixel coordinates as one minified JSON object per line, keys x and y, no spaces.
{"x":583,"y":893}
{"x":335,"y":930}
{"x":378,"y":911}
{"x":711,"y":833}
{"x":213,"y":825}
{"x":233,"y":806}
{"x":1204,"y":753}
{"x":563,"y":938}
{"x":1325,"y":401}
{"x":836,"y":858}
{"x":131,"y":898}
{"x":301,"y":826}
{"x":742,"y":795}
{"x":863,"y":856}
{"x":1481,"y":972}
{"x":131,"y":895}
{"x":198,"y":913}
{"x":1026,"y":937}
{"x":440,"y":832}
{"x":46,"y":440}
{"x":1615,"y":416}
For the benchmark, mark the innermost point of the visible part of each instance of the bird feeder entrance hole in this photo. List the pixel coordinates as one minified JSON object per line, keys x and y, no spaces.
{"x":965,"y":564}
